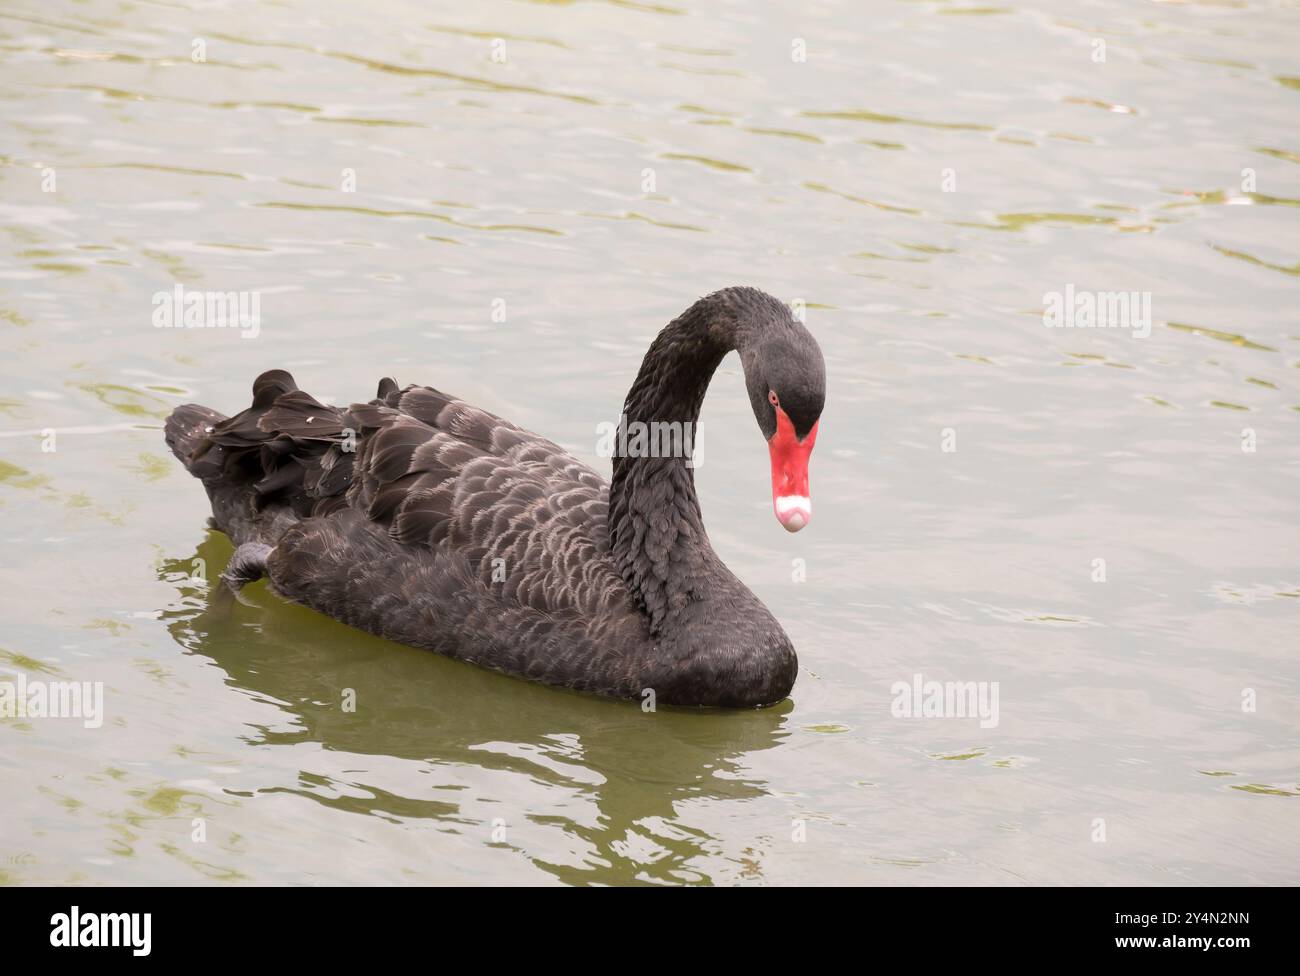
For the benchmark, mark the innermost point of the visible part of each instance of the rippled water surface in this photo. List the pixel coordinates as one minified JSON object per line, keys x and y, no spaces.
{"x":921,"y":181}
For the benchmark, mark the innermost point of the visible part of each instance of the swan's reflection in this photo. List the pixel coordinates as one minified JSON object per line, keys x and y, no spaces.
{"x":415,"y":705}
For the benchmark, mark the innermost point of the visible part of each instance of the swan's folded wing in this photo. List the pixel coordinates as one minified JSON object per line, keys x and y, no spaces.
{"x":529,"y":518}
{"x":437,"y":474}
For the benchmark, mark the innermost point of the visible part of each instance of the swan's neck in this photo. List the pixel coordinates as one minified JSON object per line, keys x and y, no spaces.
{"x":657,"y":536}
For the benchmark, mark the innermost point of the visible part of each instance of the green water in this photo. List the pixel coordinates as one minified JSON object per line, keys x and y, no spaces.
{"x":919,"y":182}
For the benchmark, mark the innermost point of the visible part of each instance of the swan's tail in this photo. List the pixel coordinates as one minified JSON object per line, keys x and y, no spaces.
{"x":283,"y":452}
{"x":187,"y":430}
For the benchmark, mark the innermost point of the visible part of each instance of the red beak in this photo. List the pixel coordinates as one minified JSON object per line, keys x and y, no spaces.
{"x":790,"y":498}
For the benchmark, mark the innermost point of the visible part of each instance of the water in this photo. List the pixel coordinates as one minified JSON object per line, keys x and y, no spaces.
{"x":921,"y":181}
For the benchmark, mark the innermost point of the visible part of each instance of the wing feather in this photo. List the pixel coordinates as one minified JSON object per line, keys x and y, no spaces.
{"x":440,"y":476}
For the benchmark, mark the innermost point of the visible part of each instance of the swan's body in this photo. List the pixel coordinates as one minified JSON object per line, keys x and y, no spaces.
{"x":420,"y":518}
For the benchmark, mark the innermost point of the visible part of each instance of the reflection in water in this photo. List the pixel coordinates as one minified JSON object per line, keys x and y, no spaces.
{"x":634,"y":767}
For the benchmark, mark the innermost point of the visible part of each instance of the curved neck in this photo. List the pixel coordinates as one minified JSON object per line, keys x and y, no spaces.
{"x":657,"y":536}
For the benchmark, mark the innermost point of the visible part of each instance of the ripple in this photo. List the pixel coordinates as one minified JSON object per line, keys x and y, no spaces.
{"x":708,"y":161}
{"x":1221,"y":197}
{"x":785,"y":134}
{"x":483,"y":83}
{"x":1290,"y":157}
{"x":60,"y":25}
{"x":1249,"y":594}
{"x":1292,"y":269}
{"x":286,"y":106}
{"x":1032,"y":616}
{"x":1232,"y":337}
{"x":1016,"y":222}
{"x":488,"y":35}
{"x":26,"y":663}
{"x":873,"y":256}
{"x":694,"y":69}
{"x":77,"y":54}
{"x":633,"y":215}
{"x":700,"y":110}
{"x":1101,"y":104}
{"x":125,"y":399}
{"x":650,"y":8}
{"x":422,"y":214}
{"x":1265,"y":790}
{"x":393,"y":68}
{"x":823,"y":188}
{"x":704,"y":52}
{"x":863,"y":115}
{"x":393,"y":123}
{"x":162,"y":168}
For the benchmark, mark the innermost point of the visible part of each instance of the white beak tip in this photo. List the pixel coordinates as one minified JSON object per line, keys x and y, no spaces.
{"x":794,"y":521}
{"x":793,"y":511}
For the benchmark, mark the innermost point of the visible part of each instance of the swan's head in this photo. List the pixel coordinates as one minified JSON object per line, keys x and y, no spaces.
{"x":786,"y":379}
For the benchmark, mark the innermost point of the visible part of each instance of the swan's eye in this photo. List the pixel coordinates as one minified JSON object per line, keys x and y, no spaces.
{"x":772,"y":398}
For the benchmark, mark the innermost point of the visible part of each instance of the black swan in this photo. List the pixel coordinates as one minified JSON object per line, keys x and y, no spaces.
{"x":422,"y":519}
